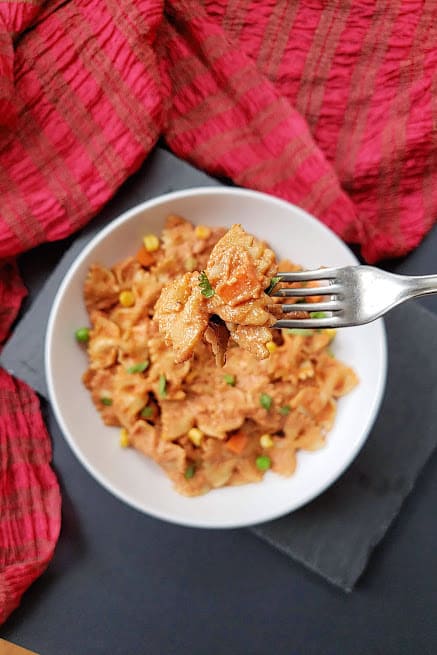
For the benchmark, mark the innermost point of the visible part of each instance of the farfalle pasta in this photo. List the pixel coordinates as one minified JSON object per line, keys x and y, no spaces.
{"x":182,"y":358}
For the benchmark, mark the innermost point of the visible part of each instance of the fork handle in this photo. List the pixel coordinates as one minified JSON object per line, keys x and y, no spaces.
{"x":420,"y":285}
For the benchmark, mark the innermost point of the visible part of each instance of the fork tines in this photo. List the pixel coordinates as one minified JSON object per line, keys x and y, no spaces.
{"x":332,"y":305}
{"x":308,"y":276}
{"x":310,"y":323}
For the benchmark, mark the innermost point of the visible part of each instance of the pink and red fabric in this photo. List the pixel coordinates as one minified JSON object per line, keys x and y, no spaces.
{"x":330,"y":105}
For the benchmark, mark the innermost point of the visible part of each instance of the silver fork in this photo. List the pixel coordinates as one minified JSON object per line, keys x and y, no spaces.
{"x":354,"y":295}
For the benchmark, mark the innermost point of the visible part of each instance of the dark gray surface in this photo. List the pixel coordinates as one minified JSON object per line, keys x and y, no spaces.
{"x":121,"y":582}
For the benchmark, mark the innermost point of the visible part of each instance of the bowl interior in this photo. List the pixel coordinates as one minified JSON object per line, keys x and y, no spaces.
{"x":291,"y":233}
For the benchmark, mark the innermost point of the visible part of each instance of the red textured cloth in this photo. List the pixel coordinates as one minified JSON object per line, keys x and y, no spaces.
{"x":331,"y":105}
{"x":29,"y":493}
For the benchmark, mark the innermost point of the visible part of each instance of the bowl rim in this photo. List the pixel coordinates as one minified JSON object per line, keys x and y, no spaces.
{"x":170,"y":517}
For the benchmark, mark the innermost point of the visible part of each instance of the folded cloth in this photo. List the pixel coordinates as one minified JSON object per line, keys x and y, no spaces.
{"x":29,"y":500}
{"x":329,"y":105}
{"x":305,"y":100}
{"x":336,"y":533}
{"x":14,"y":18}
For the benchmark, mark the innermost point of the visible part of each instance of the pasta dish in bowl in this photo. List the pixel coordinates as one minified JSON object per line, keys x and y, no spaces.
{"x":182,"y":366}
{"x":186,"y":365}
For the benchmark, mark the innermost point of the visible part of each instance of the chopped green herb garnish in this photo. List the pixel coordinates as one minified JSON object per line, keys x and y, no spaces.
{"x":302,"y":332}
{"x":229,"y":379}
{"x":263,"y":463}
{"x":146,"y":412}
{"x":205,"y":286}
{"x":318,"y":314}
{"x":162,"y":385}
{"x":82,"y":334}
{"x":273,"y":282}
{"x":265,"y":401}
{"x":138,"y":368}
{"x":285,"y":410}
{"x":189,"y":471}
{"x":330,"y":353}
{"x":106,"y":401}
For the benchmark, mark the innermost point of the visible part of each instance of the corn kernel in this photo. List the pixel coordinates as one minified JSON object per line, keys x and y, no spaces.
{"x":126,"y":298}
{"x":271,"y":346}
{"x":124,"y":438}
{"x":190,"y":264}
{"x":195,"y":436}
{"x":266,"y":441}
{"x":151,"y":242}
{"x":202,"y":232}
{"x":330,"y":332}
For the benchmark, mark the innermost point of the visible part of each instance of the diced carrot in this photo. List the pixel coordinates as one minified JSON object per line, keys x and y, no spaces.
{"x":237,"y":443}
{"x":144,"y":257}
{"x":242,"y":283}
{"x":313,"y":284}
{"x":229,"y":292}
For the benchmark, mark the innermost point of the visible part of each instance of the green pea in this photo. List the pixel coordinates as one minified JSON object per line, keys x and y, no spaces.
{"x":82,"y":334}
{"x":265,"y":401}
{"x":285,"y":410}
{"x":318,"y":314}
{"x":302,"y":332}
{"x":263,"y":463}
{"x":190,"y":471}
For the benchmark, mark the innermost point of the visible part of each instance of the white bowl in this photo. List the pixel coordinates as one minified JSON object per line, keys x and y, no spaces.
{"x":139,"y":482}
